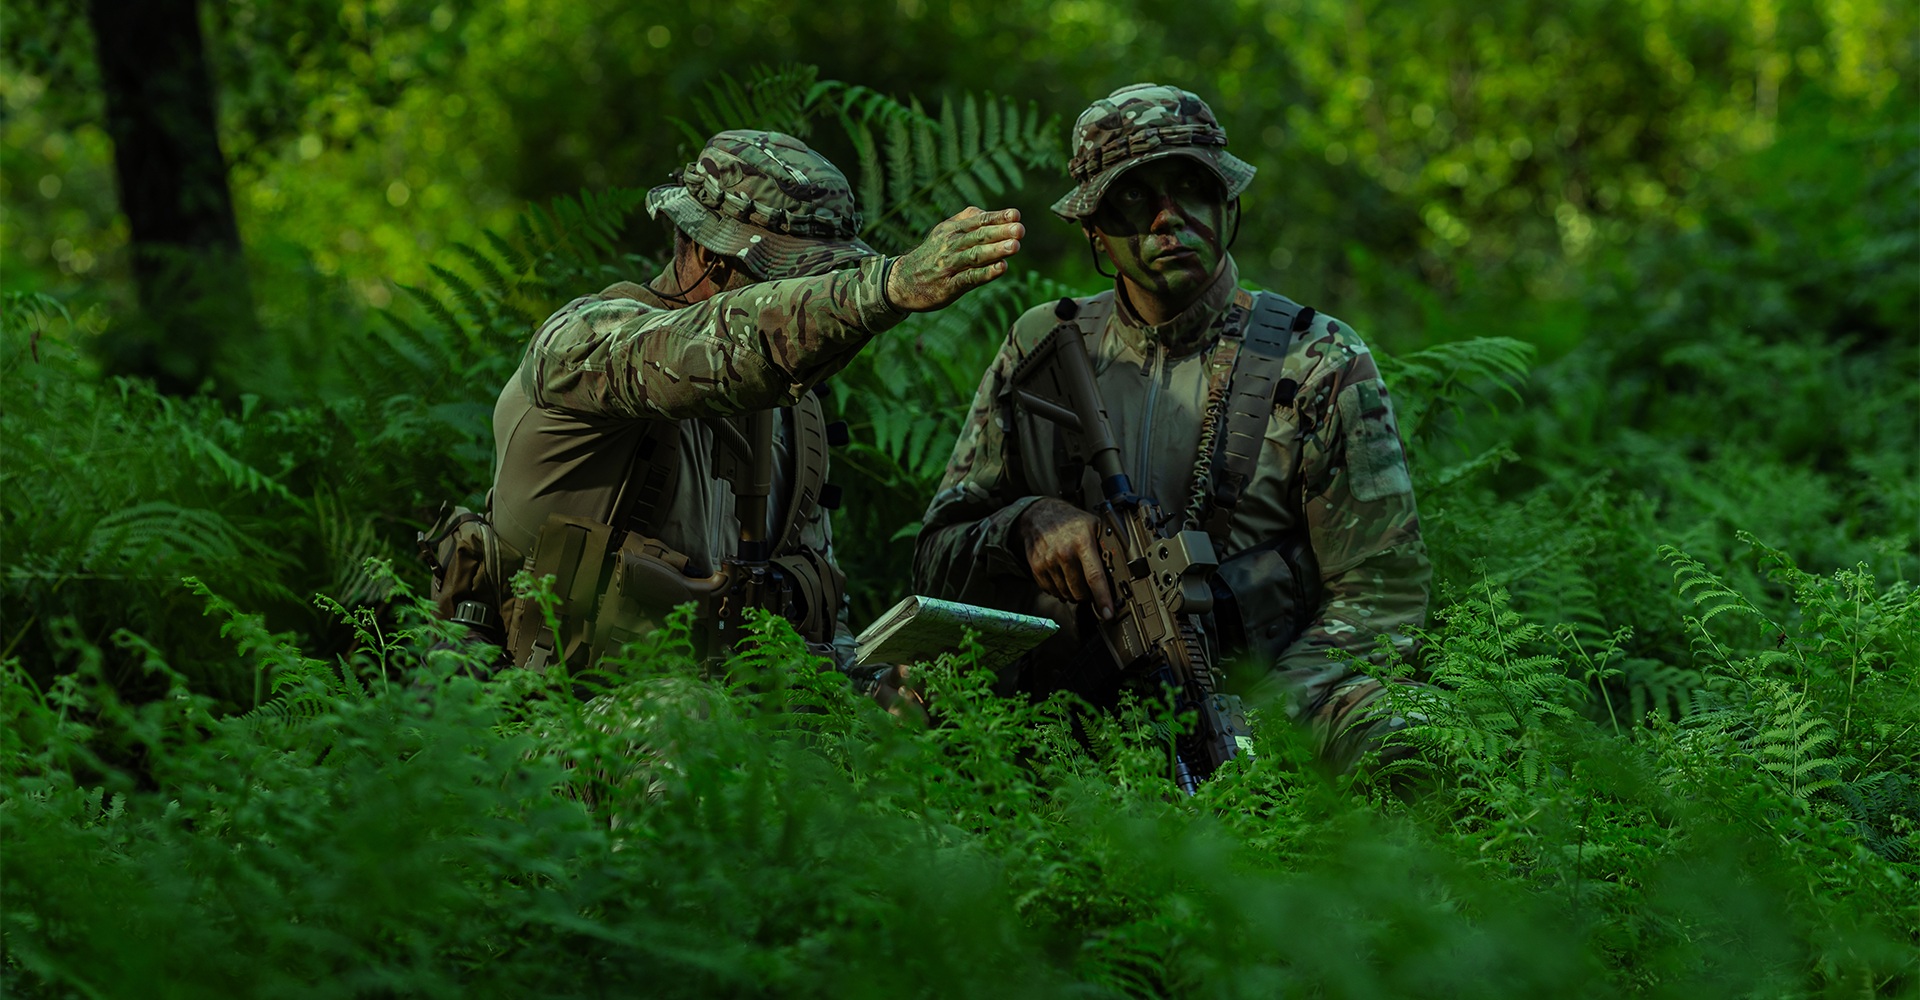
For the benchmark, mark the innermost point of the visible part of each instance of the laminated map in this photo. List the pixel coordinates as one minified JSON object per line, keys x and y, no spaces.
{"x":921,"y":628}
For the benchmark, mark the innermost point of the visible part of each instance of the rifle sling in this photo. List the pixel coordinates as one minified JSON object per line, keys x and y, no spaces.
{"x":1070,"y":464}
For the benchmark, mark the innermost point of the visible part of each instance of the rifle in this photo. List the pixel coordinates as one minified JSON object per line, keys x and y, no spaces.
{"x":1160,"y":578}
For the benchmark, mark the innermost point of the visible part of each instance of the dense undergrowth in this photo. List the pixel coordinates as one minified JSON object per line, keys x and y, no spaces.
{"x":399,"y":822}
{"x":1676,"y":752}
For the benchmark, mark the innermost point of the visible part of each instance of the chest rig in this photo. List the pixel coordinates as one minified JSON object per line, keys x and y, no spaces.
{"x":1266,"y":594}
{"x":615,"y":581}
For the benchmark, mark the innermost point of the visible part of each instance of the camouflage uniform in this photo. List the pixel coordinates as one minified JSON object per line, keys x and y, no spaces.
{"x":1325,"y":541}
{"x":605,"y":367}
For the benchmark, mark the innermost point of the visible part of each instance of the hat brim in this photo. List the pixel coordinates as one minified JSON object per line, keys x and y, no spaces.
{"x":1235,"y":173}
{"x":767,"y":254}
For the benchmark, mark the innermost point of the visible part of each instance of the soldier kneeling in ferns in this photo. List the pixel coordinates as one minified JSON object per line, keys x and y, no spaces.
{"x":1261,"y":422}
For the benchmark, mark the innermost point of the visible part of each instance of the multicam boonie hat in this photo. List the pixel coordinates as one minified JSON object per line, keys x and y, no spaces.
{"x":1139,"y":124}
{"x":767,"y":200}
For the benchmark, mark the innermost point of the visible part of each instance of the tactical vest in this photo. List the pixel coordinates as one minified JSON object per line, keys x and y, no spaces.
{"x":613,"y":580}
{"x":1266,"y":595}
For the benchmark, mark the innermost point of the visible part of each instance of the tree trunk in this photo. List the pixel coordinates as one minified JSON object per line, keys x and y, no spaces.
{"x":172,"y":176}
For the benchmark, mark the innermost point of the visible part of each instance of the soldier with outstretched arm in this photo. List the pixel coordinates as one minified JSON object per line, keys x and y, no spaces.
{"x":1244,"y":415}
{"x":631,"y":404}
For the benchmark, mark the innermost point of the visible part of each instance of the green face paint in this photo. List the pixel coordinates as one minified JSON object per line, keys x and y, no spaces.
{"x":1161,"y":223}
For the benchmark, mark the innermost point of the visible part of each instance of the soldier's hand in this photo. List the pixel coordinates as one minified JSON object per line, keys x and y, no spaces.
{"x":898,"y":692}
{"x":958,"y":256}
{"x":1064,"y":553}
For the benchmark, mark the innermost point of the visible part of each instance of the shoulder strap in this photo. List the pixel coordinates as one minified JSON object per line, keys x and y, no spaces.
{"x":1094,"y":310}
{"x":1255,"y":390}
{"x":651,"y":479}
{"x":809,"y":450}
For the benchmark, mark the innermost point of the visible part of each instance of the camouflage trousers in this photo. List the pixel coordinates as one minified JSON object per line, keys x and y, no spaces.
{"x":1351,"y":718}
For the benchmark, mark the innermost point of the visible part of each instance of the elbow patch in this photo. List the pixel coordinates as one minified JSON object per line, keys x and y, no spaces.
{"x":1375,"y":460}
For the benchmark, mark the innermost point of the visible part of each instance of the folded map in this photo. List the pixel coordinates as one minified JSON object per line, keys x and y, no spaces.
{"x":921,"y":628}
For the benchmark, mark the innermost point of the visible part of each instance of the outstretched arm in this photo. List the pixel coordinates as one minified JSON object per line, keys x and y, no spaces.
{"x":754,"y":347}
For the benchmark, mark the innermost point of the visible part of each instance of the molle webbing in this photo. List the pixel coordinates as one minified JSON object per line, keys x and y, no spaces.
{"x":652,"y":479}
{"x":1094,"y":310}
{"x":1257,"y":387}
{"x":808,"y":449}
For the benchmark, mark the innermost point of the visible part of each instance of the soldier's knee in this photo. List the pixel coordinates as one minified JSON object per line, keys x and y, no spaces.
{"x":1358,"y":718}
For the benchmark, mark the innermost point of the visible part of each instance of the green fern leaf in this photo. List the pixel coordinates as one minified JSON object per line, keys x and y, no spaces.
{"x":463,"y":291}
{"x":492,"y":278}
{"x":434,"y":307}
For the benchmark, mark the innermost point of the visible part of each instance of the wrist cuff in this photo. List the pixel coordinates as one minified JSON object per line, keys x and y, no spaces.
{"x":886,"y":275}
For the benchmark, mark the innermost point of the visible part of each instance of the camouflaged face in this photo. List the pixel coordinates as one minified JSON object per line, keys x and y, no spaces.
{"x":768,"y":200}
{"x":1139,"y":124}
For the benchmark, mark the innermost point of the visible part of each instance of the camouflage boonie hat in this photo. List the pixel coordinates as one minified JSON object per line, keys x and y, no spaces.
{"x":1139,"y":124}
{"x":767,"y":200}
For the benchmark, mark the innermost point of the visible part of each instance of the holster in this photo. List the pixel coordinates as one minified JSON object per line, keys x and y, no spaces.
{"x":1264,"y":597}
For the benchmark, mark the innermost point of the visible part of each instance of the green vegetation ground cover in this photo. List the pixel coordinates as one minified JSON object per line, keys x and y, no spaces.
{"x":1673,"y":515}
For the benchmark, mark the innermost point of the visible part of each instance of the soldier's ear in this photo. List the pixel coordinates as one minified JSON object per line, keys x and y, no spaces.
{"x":1096,"y":248}
{"x":706,"y":261}
{"x":683,"y":250}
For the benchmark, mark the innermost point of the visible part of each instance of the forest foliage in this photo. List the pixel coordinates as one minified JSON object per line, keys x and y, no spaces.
{"x":1644,"y":280}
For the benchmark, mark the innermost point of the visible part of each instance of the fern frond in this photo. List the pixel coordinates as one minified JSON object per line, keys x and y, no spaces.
{"x":492,"y":278}
{"x":516,"y":259}
{"x":1708,"y":590}
{"x":233,"y":470}
{"x":434,"y":307}
{"x":1792,"y":739}
{"x":1449,"y":376}
{"x":21,"y":311}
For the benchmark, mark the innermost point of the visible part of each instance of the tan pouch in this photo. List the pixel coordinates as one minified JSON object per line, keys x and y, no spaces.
{"x":574,"y":551}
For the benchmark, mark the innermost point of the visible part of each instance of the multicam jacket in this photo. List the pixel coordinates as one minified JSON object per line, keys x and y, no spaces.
{"x":605,"y":366}
{"x":1324,"y":549}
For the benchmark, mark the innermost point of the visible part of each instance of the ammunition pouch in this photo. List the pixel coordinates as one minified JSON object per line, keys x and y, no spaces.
{"x":817,"y":587}
{"x":606,"y":597}
{"x":1264,"y":597}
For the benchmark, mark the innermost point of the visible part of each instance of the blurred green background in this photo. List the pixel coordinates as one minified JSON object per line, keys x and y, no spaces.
{"x":1408,"y":151}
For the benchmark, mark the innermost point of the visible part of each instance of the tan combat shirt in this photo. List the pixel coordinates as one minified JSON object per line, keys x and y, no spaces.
{"x":604,"y":366}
